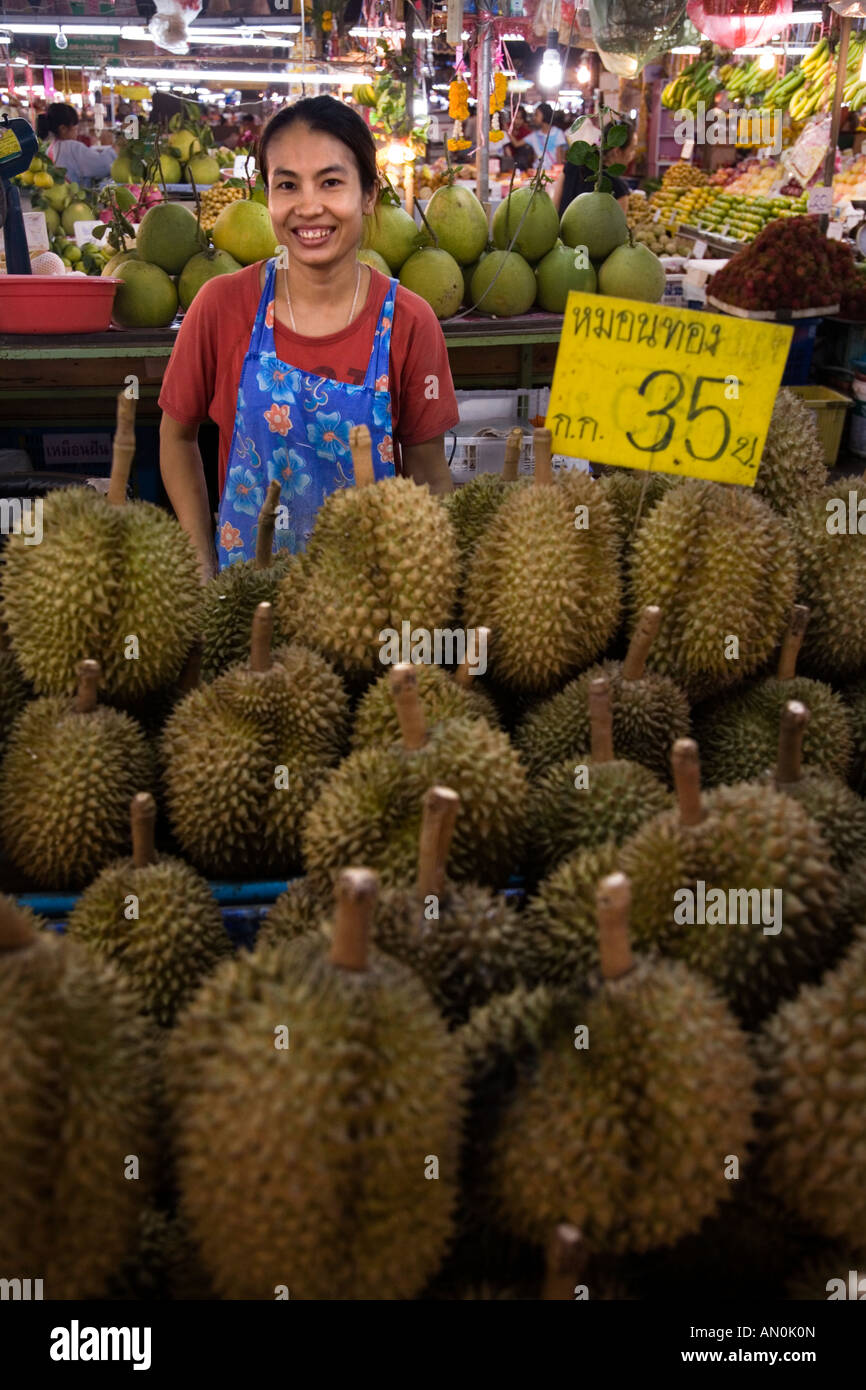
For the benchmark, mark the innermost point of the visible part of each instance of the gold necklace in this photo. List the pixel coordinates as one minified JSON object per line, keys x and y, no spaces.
{"x":354,"y":300}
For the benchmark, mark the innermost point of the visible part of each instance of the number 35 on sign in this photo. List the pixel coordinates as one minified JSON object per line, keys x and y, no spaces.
{"x":645,"y":386}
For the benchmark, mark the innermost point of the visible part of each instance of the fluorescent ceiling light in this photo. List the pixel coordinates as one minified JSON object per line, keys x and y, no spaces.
{"x":212,"y":38}
{"x":313,"y":79}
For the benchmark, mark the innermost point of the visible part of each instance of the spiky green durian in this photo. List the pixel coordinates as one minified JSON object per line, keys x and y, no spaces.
{"x":813,"y":1055}
{"x":793,"y":465}
{"x":839,"y":813}
{"x":379,"y":556}
{"x":854,"y":696}
{"x":327,"y":1196}
{"x":632,"y":495}
{"x":119,"y":584}
{"x":581,"y":806}
{"x":164,"y":1264}
{"x":156,"y":918}
{"x":303,"y":908}
{"x":545,"y":579}
{"x":70,"y":771}
{"x":76,"y":1063}
{"x":473,"y":506}
{"x":628,"y":1137}
{"x":243,"y":758}
{"x":14,"y":694}
{"x":738,"y":735}
{"x":561,"y":918}
{"x":376,"y":718}
{"x":720,"y":564}
{"x":831,"y":579}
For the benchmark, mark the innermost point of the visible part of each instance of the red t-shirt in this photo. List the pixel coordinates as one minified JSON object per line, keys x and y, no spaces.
{"x":204,"y":370}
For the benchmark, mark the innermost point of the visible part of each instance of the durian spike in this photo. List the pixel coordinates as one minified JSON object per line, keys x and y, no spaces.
{"x":15,"y":931}
{"x":356,"y":893}
{"x":190,"y":676}
{"x":438,"y":819}
{"x":266,"y":527}
{"x":362,"y":455}
{"x":542,"y":448}
{"x":263,"y":631}
{"x":142,"y":815}
{"x":639,"y":647}
{"x":565,"y":1263}
{"x":88,"y":686}
{"x":123,"y":449}
{"x":687,"y":780}
{"x":791,"y":642}
{"x":613,"y":902}
{"x":601,"y":720}
{"x":466,"y":672}
{"x":513,"y":446}
{"x":410,"y":711}
{"x":792,"y":730}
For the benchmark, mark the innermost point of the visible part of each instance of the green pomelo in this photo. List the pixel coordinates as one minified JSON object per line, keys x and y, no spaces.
{"x":55,"y":196}
{"x":146,"y":299}
{"x":52,"y":219}
{"x":125,"y":170}
{"x":557,"y":273}
{"x":596,"y":221}
{"x":204,"y":170}
{"x":538,"y":229}
{"x":245,"y":230}
{"x":373,"y":258}
{"x":167,"y":236}
{"x":633,"y":272}
{"x":436,"y":277}
{"x":169,"y":168}
{"x":459,"y":222}
{"x":393,"y":233}
{"x":514,"y":290}
{"x":76,"y":212}
{"x":119,"y":258}
{"x":184,"y":144}
{"x":204,"y":266}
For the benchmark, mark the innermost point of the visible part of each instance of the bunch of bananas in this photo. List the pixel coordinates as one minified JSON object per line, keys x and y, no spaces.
{"x":749,"y":80}
{"x":854,"y":91}
{"x":695,"y":83}
{"x":816,"y":92}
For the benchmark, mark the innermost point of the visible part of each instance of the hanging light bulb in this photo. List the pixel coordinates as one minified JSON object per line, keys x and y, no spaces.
{"x":550,"y":72}
{"x":584,"y":74}
{"x":767,"y":60}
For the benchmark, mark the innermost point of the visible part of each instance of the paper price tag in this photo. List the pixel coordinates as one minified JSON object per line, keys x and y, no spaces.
{"x":688,"y":149}
{"x":657,"y":214}
{"x":645,"y":386}
{"x":244,"y":166}
{"x":700,"y":250}
{"x":834,"y":231}
{"x":84,"y":232}
{"x":820,"y":200}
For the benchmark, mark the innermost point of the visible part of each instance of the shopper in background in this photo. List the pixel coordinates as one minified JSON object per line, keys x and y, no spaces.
{"x":578,"y":178}
{"x":59,"y":126}
{"x":547,"y":142}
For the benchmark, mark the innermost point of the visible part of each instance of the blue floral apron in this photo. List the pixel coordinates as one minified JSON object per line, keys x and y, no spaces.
{"x":295,"y":427}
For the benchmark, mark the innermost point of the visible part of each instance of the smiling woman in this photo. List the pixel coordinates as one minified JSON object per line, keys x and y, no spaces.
{"x":288,"y":354}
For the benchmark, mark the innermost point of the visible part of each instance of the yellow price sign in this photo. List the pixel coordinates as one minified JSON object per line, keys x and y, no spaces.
{"x":672,"y":390}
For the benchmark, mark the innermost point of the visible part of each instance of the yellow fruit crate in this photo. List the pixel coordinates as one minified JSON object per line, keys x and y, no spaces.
{"x":829,"y":407}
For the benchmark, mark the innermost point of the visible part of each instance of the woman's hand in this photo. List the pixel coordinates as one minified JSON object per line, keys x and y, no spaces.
{"x":426,"y":463}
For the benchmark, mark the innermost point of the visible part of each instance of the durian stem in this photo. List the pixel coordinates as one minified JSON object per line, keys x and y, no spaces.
{"x":190,"y":676}
{"x":410,"y":711}
{"x":15,"y":931}
{"x":362,"y":455}
{"x":601,"y":720}
{"x":513,"y":446}
{"x":792,"y":642}
{"x":565,"y":1263}
{"x":357,"y":890}
{"x":613,"y":901}
{"x":263,"y":631}
{"x":639,"y":647}
{"x":123,"y":449}
{"x":687,"y":780}
{"x":88,"y":686}
{"x":466,"y":671}
{"x":142,"y":815}
{"x":438,"y":819}
{"x":266,"y":527}
{"x":792,"y":730}
{"x":542,"y":448}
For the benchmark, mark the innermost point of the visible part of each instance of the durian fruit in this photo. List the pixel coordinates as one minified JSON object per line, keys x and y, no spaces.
{"x":230,"y":599}
{"x":813,"y":1055}
{"x":545,"y":578}
{"x":155,"y":917}
{"x":329,"y":1073}
{"x":854,"y":696}
{"x":738,"y":734}
{"x":831,"y":579}
{"x":77,"y":1068}
{"x":112,"y":580}
{"x":581,"y":805}
{"x":721,"y":566}
{"x":649,"y":711}
{"x":380,"y":555}
{"x":370,"y":807}
{"x":300,"y":909}
{"x":632,"y":495}
{"x":839,"y":813}
{"x":793,"y":465}
{"x":70,"y":770}
{"x":749,"y":841}
{"x":163,"y":1265}
{"x":444,"y":697}
{"x":14,"y":693}
{"x":244,"y":757}
{"x":627,"y":1128}
{"x":473,"y":505}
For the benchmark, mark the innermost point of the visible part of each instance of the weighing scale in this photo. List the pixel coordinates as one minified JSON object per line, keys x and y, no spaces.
{"x":18,"y":146}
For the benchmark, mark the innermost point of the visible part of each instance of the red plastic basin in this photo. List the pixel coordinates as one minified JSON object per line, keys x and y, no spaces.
{"x":56,"y":303}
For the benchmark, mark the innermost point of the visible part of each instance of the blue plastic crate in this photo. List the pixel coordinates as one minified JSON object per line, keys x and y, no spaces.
{"x":799,"y":364}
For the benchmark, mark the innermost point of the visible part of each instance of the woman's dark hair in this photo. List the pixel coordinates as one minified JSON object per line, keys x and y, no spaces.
{"x":546,"y":111}
{"x":58,"y":114}
{"x":330,"y":117}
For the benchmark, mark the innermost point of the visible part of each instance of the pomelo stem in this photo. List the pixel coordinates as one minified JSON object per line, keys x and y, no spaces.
{"x":263,"y":631}
{"x":639,"y":647}
{"x":267,"y":525}
{"x":356,"y":893}
{"x":513,"y":446}
{"x":142,"y":815}
{"x":686,"y":767}
{"x":88,"y":686}
{"x":792,"y":731}
{"x":410,"y":712}
{"x":123,"y":449}
{"x":438,"y":819}
{"x":601,"y":720}
{"x":466,"y":673}
{"x":792,"y":642}
{"x":542,"y":448}
{"x":362,"y":455}
{"x":565,"y":1263}
{"x":613,"y":902}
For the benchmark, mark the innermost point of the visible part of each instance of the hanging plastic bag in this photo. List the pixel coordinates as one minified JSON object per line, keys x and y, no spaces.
{"x":630,"y":33}
{"x":733,"y":23}
{"x":170,"y":25}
